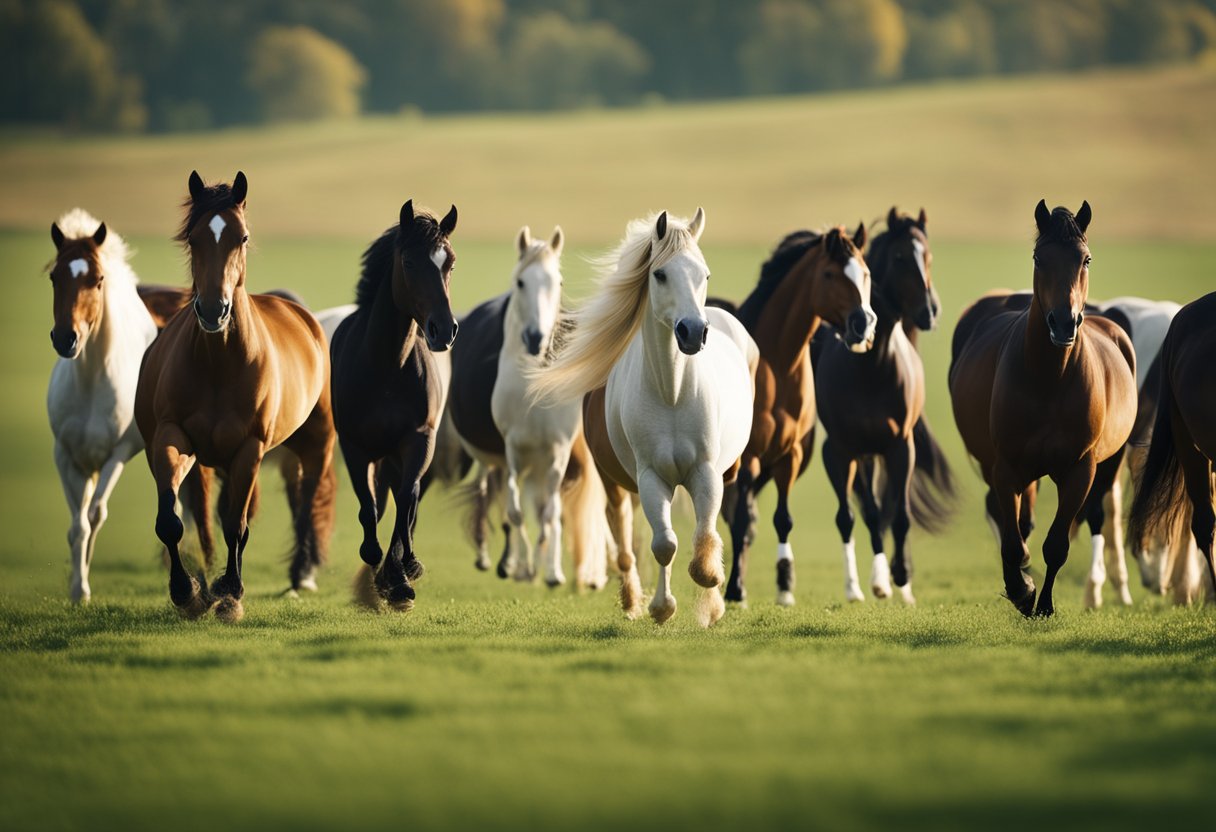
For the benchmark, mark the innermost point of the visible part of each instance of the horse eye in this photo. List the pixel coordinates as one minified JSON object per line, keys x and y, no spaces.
{"x":519,"y":283}
{"x":660,"y":276}
{"x":707,"y":277}
{"x":245,"y":239}
{"x":1088,"y":260}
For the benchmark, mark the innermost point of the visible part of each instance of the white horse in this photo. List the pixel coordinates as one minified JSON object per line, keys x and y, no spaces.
{"x":102,"y":329}
{"x":677,"y":408}
{"x":1171,"y":563}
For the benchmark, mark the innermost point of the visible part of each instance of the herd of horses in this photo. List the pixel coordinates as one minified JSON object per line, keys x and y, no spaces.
{"x":651,"y":384}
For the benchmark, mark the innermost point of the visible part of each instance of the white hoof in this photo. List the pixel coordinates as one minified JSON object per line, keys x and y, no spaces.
{"x":555,"y":580}
{"x":785,"y":598}
{"x":309,"y":584}
{"x":710,"y":606}
{"x":1125,"y":596}
{"x":852,"y":592}
{"x":1093,"y":594}
{"x":905,"y":592}
{"x":291,"y":594}
{"x":880,"y":577}
{"x":661,"y":609}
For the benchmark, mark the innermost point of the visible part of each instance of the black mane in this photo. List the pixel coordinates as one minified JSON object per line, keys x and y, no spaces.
{"x":214,"y":198}
{"x":423,"y":235}
{"x":1062,"y":228}
{"x":788,"y":252}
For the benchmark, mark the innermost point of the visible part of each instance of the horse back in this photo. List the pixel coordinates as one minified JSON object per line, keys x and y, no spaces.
{"x":474,"y":373}
{"x":1190,"y":369}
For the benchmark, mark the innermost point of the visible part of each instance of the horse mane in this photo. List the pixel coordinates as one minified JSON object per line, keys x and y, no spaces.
{"x":115,"y":255}
{"x":378,"y":259}
{"x":788,"y":252}
{"x":1062,"y":228}
{"x":214,"y":198}
{"x":603,"y":326}
{"x":876,"y":256}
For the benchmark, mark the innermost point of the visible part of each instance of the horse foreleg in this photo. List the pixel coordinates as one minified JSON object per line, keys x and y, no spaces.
{"x":242,"y":479}
{"x":361,"y":470}
{"x":1073,"y":488}
{"x":480,"y":522}
{"x":312,"y":515}
{"x":740,"y":522}
{"x":864,"y":485}
{"x":550,"y":512}
{"x":705,"y":566}
{"x":656,"y":503}
{"x":1007,"y":497}
{"x":99,"y":504}
{"x":1094,"y":511}
{"x":403,"y":567}
{"x":78,"y":490}
{"x":1197,"y":477}
{"x":171,"y":458}
{"x":901,"y":463}
{"x":785,"y":471}
{"x":841,"y":470}
{"x":519,"y":549}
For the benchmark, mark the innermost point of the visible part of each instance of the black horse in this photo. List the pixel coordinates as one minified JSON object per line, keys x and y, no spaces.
{"x":871,"y":405}
{"x":389,"y":389}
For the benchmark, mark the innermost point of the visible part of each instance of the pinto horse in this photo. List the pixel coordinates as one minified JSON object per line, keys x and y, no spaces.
{"x":1179,"y":467}
{"x":228,"y":379}
{"x":871,"y":405}
{"x":389,"y":388}
{"x":675,"y":408}
{"x":1044,"y":391}
{"x":810,"y":278}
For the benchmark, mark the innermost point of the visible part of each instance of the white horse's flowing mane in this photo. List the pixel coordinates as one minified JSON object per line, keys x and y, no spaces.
{"x":79,"y":223}
{"x":604,"y":324}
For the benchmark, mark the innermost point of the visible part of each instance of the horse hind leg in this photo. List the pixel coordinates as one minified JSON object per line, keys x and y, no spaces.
{"x":840,"y":471}
{"x":740,"y":497}
{"x":1112,"y":532}
{"x":620,"y":523}
{"x":871,"y":513}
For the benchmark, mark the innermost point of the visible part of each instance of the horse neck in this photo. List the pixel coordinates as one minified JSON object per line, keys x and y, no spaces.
{"x":512,"y":351}
{"x":387,"y":333}
{"x":1043,"y":358}
{"x":663,"y":362}
{"x":889,"y":318}
{"x":782,"y":334}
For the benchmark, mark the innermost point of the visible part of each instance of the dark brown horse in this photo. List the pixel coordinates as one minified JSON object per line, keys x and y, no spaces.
{"x":229,"y":378}
{"x":1044,"y":391}
{"x":1180,"y":459}
{"x":871,"y":405}
{"x":811,"y":277}
{"x":389,"y":389}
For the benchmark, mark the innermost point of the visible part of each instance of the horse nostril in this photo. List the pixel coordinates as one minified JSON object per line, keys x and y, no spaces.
{"x":432,"y":330}
{"x":705,"y":335}
{"x":682,"y":331}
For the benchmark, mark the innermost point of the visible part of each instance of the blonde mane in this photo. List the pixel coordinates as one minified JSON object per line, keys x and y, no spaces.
{"x":78,"y":224}
{"x":604,"y":325}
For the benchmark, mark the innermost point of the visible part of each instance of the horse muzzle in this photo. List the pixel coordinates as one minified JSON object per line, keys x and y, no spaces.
{"x":439,"y":337}
{"x":532,"y":341}
{"x":1062,"y":329}
{"x":66,"y":342}
{"x":859,"y":329}
{"x":691,"y":335}
{"x":926,"y":319}
{"x":213,"y":320}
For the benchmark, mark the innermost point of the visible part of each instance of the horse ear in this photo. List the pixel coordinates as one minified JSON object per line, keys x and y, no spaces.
{"x":99,"y":236}
{"x":920,"y":220}
{"x":407,"y":213}
{"x":523,"y":240}
{"x":859,"y":236}
{"x":892,"y":217}
{"x":697,"y":226}
{"x":196,"y":185}
{"x":660,"y":226}
{"x":448,"y":224}
{"x":1042,"y":217}
{"x":56,"y":236}
{"x":557,"y":240}
{"x":831,"y":243}
{"x":1084,"y":216}
{"x":240,"y":188}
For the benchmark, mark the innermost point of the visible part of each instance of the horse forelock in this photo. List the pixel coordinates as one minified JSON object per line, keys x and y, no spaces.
{"x":213,"y":199}
{"x":422,"y":237}
{"x":113,"y":255}
{"x":1061,"y":228}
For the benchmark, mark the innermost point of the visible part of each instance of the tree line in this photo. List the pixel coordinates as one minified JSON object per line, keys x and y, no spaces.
{"x":168,"y":65}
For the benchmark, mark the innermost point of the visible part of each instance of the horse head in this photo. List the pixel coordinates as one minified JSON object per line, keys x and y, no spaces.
{"x":841,"y":288}
{"x":901,"y":263}
{"x":1061,"y":270}
{"x":536,"y":294}
{"x":77,"y":277}
{"x":217,"y":237}
{"x":422,"y":274}
{"x":678,"y":278}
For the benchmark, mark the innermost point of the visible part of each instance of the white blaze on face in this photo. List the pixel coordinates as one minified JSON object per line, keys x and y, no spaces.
{"x":79,"y":266}
{"x":217,"y":226}
{"x":854,"y":272}
{"x":439,"y":256}
{"x":918,"y":249}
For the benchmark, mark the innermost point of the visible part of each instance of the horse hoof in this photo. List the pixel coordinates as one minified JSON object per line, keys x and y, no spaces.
{"x":785,"y":598}
{"x":230,"y":609}
{"x":880,"y":579}
{"x":414,"y":570}
{"x":308,"y":584}
{"x":401,"y":597}
{"x":1125,"y":597}
{"x":736,"y":594}
{"x":1024,"y":604}
{"x":709,"y":607}
{"x":662,"y":609}
{"x":905,"y":592}
{"x":482,"y":565}
{"x":554,"y":581}
{"x":853,"y":593}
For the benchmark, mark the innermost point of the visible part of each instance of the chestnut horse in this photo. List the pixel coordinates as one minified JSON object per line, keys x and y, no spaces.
{"x":226,"y":381}
{"x":1044,"y":391}
{"x":811,"y":277}
{"x":871,"y":405}
{"x":1180,"y":459}
{"x":389,"y":388}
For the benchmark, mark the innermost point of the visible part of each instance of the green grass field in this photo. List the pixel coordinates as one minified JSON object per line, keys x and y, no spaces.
{"x":498,"y":705}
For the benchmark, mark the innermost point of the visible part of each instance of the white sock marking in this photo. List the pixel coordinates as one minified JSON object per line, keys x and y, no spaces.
{"x":1098,"y":568}
{"x":217,"y":226}
{"x":784,"y":552}
{"x":79,"y":266}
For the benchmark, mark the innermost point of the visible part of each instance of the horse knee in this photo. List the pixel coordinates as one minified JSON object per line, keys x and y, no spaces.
{"x":169,"y":528}
{"x":783,"y":523}
{"x":98,"y":513}
{"x":664,"y":546}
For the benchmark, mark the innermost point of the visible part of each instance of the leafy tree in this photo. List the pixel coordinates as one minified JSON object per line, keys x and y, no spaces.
{"x":301,"y":75}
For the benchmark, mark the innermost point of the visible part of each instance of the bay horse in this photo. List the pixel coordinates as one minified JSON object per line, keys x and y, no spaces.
{"x":539,"y":446}
{"x":389,"y":388}
{"x":871,"y":405}
{"x":1179,"y":466}
{"x":675,"y":409}
{"x":810,"y":277}
{"x":1044,"y":391}
{"x":228,"y":379}
{"x":101,"y":332}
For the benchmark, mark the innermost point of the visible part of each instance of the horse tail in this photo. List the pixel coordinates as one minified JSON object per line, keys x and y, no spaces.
{"x":475,"y":500}
{"x":1161,"y":492}
{"x":195,"y":495}
{"x":584,"y":510}
{"x":932,"y":496}
{"x":325,"y":511}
